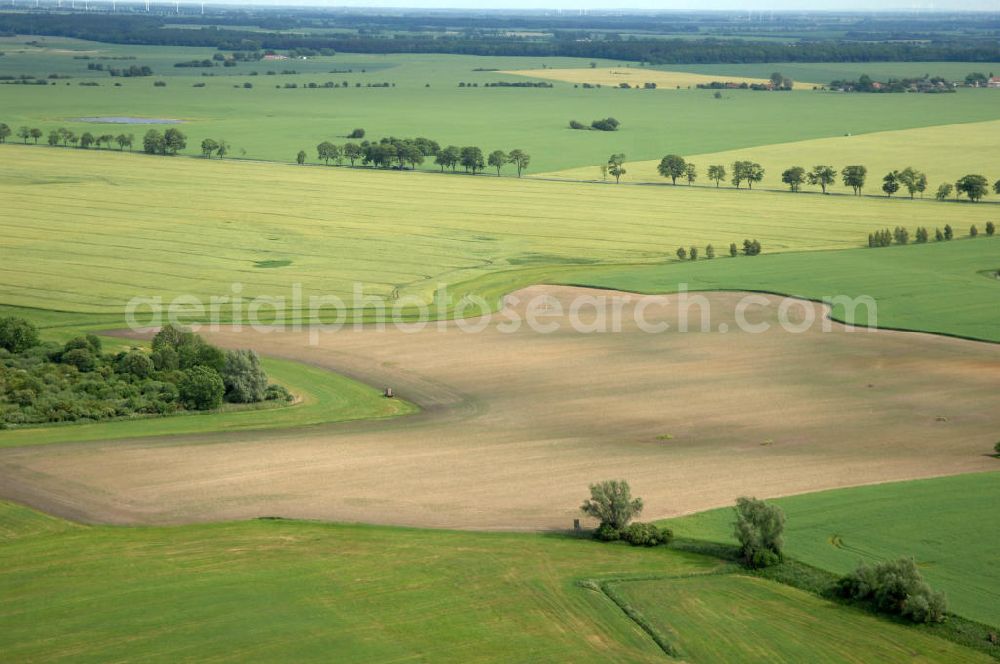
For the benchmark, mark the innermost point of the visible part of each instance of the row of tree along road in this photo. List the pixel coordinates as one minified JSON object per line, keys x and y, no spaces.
{"x":675,"y":167}
{"x":402,"y":153}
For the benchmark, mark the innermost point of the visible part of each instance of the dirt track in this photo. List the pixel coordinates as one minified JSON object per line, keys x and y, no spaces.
{"x":515,"y":426}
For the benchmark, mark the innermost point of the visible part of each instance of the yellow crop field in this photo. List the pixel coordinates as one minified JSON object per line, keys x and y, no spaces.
{"x":87,"y":230}
{"x":638,"y":76}
{"x":945,"y":153}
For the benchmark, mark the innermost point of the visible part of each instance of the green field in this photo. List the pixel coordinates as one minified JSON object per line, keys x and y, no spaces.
{"x":266,"y":590}
{"x":949,"y":525}
{"x":741,"y":620}
{"x":282,"y":121}
{"x":943,"y":287}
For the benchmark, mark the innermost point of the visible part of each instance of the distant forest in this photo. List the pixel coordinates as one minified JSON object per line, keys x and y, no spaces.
{"x":710,"y":40}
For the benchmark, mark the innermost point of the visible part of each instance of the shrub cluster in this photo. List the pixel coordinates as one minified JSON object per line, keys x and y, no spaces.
{"x":900,"y":235}
{"x":611,"y":502}
{"x":895,"y":587}
{"x":77,"y":381}
{"x":604,"y":124}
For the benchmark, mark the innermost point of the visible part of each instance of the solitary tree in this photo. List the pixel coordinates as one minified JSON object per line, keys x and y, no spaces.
{"x":616,"y":166}
{"x":693,"y":253}
{"x":890,"y":183}
{"x":822,"y":175}
{"x":709,"y":252}
{"x":86,"y":140}
{"x":672,"y":166}
{"x":717,"y":173}
{"x":690,"y":173}
{"x":300,"y":158}
{"x":759,"y":529}
{"x":854,"y":177}
{"x":4,"y":132}
{"x":123,"y":140}
{"x":24,"y":134}
{"x":54,"y":138}
{"x":973,"y":186}
{"x":733,"y":250}
{"x":973,"y":231}
{"x":520,"y":159}
{"x":681,"y":253}
{"x":996,"y":187}
{"x":991,"y":228}
{"x":36,"y":133}
{"x":794,"y":177}
{"x":223,"y":148}
{"x":611,"y":502}
{"x":498,"y":159}
{"x":948,"y":232}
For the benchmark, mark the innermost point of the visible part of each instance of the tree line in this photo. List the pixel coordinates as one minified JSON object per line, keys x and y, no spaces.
{"x":900,"y":235}
{"x":675,"y":167}
{"x":159,"y":30}
{"x":400,"y":153}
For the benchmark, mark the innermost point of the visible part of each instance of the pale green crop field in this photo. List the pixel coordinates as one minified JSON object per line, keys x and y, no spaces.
{"x":86,"y":231}
{"x":944,"y":153}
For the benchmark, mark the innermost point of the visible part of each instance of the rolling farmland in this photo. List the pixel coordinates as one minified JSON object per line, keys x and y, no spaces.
{"x":435,"y":525}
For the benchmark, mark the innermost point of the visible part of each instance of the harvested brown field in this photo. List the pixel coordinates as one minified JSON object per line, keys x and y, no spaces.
{"x":515,"y":425}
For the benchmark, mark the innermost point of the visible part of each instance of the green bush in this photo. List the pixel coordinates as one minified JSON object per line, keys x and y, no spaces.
{"x":647,"y":534}
{"x":895,"y":587}
{"x":17,"y":335}
{"x":607,"y":533}
{"x":996,"y":448}
{"x":165,"y":359}
{"x":277,"y":393}
{"x":136,"y":363}
{"x":81,"y":358}
{"x":201,"y":388}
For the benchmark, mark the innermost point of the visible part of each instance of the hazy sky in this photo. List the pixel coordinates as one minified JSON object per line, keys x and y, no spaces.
{"x":756,"y":5}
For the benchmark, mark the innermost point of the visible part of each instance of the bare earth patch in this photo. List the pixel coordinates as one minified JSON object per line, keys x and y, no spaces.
{"x":516,"y":425}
